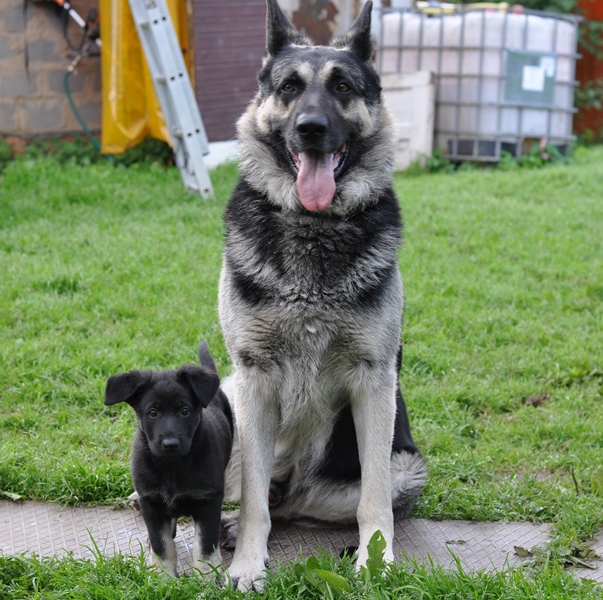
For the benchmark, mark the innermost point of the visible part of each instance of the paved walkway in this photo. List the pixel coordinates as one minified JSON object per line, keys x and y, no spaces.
{"x":49,"y":529}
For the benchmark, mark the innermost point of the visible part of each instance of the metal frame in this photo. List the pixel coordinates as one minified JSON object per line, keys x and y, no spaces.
{"x":485,"y":147}
{"x":174,"y":91}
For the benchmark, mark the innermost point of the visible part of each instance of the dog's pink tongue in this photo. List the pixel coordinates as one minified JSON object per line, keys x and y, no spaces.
{"x":315,"y":180}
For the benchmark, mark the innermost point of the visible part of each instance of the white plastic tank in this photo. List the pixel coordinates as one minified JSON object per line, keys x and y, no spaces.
{"x":502,"y":78}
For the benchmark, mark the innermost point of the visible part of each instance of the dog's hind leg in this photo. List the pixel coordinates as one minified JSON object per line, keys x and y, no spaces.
{"x":230,"y":524}
{"x":232,"y":476}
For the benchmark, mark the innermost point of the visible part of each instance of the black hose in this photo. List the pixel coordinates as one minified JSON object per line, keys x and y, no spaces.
{"x":87,"y":131}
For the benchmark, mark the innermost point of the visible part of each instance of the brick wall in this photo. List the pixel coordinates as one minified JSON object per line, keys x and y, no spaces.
{"x":229,"y":46}
{"x":32,"y":100}
{"x":230,"y":42}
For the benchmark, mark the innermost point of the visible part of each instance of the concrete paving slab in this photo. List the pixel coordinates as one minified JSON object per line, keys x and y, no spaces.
{"x":50,"y":529}
{"x":595,"y":574}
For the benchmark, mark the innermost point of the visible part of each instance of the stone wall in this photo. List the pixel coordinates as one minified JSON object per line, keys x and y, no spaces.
{"x":34,"y":57}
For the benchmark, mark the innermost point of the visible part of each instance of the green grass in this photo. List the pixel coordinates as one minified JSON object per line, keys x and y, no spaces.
{"x":104,"y":270}
{"x":107,"y":269}
{"x":504,"y":284}
{"x":121,"y":577}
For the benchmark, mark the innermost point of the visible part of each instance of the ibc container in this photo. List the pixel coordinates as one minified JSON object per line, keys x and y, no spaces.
{"x":503,"y":79}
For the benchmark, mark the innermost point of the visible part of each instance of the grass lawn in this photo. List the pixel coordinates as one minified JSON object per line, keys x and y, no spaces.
{"x":105,"y":269}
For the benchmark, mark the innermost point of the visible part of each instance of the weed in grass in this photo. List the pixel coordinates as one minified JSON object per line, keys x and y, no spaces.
{"x":325,"y":581}
{"x":438,"y":163}
{"x":536,"y":158}
{"x":507,"y":162}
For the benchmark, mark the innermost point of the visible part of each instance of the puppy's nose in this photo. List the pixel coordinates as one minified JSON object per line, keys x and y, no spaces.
{"x":311,"y":126}
{"x":171,"y":444}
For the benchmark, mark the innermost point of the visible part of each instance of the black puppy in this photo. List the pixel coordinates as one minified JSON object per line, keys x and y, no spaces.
{"x":181,"y":449}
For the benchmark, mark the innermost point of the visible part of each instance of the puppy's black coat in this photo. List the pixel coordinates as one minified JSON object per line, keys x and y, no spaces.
{"x":181,"y":449}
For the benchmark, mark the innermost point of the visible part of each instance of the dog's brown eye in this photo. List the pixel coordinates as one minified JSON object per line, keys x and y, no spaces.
{"x":153,"y":413}
{"x":185,"y":411}
{"x":288,"y":88}
{"x":343,"y":87}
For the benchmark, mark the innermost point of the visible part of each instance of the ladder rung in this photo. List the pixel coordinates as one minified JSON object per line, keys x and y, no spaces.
{"x":174,"y":91}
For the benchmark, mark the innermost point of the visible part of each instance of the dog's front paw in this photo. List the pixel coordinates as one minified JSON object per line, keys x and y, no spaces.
{"x":248,"y":577}
{"x":249,"y":583}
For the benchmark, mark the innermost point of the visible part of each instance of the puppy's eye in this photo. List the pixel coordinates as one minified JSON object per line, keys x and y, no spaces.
{"x":343,"y":88}
{"x":185,"y":411}
{"x":288,"y":88}
{"x":153,"y":413}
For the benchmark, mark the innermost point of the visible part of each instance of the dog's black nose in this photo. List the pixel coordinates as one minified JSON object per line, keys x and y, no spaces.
{"x":171,"y":444}
{"x":311,"y":126}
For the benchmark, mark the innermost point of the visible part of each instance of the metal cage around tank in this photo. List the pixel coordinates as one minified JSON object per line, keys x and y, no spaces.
{"x":504,"y":79}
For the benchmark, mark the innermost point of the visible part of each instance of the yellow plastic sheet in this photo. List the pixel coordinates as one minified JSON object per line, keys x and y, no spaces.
{"x":448,"y":8}
{"x":131,"y":110}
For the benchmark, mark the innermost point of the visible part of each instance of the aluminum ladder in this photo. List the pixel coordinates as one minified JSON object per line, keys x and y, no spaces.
{"x":174,"y":91}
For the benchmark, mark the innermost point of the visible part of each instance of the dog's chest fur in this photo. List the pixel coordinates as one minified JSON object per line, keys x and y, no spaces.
{"x":308,"y":300}
{"x":308,"y":264}
{"x":180,"y":483}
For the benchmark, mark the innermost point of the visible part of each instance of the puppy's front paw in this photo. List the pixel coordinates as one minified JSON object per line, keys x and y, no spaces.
{"x":166,"y":567}
{"x":212,"y":565}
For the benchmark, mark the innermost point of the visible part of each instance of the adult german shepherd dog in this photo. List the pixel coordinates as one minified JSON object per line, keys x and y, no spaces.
{"x":311,"y":298}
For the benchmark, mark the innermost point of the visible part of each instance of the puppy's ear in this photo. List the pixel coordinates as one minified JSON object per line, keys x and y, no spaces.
{"x":358,"y":38}
{"x":201,"y":381}
{"x":126,"y":387}
{"x":205,"y":357}
{"x":279,"y":30}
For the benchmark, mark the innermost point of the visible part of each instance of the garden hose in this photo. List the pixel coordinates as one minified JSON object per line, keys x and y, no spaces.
{"x":87,"y":131}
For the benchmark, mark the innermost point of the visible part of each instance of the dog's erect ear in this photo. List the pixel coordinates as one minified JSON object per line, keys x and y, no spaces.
{"x":202,"y":382}
{"x":205,"y":357}
{"x":358,"y":38}
{"x":126,"y":387}
{"x":279,"y":30}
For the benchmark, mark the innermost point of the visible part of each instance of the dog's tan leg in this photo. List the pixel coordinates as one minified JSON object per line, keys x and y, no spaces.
{"x":374,"y":409}
{"x":257,"y":421}
{"x":201,"y":561}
